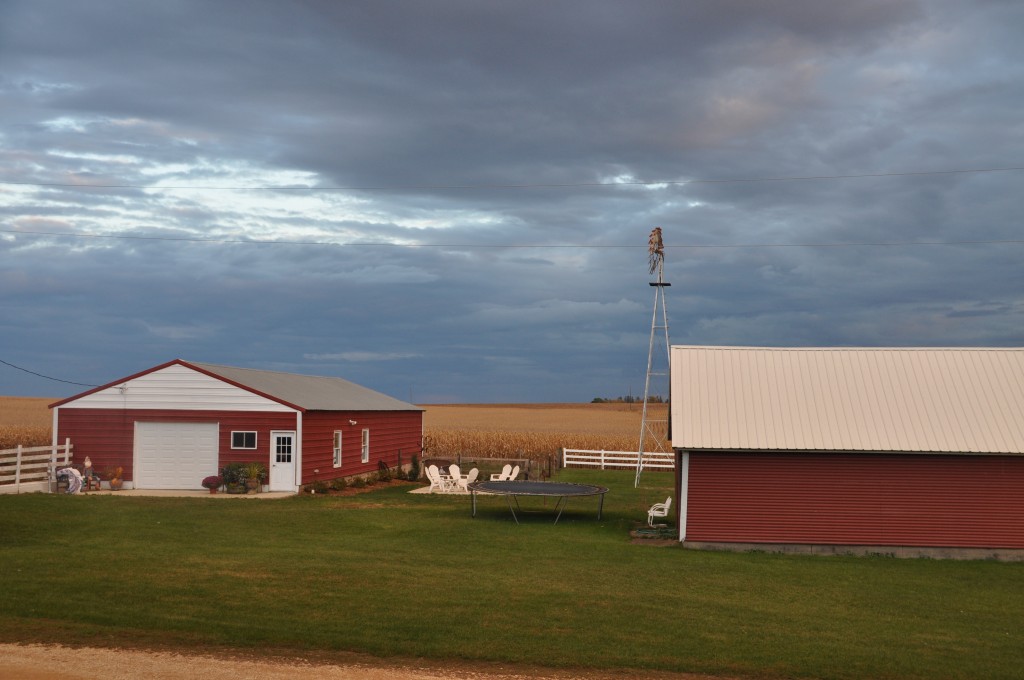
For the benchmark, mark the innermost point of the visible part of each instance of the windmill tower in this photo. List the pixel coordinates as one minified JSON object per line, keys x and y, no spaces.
{"x":655,"y":429}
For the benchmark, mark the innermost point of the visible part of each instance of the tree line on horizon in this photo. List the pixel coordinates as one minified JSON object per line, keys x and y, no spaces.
{"x":629,"y":399}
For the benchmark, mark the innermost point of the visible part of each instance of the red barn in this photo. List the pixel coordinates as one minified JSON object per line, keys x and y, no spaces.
{"x":174,"y":424}
{"x":900,"y":451}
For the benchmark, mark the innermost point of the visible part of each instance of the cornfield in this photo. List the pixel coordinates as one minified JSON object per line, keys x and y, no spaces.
{"x":532,"y":431}
{"x":25,"y":435}
{"x":24,"y":421}
{"x":506,"y":444}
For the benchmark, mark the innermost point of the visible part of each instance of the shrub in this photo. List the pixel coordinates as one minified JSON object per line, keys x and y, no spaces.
{"x":212,"y":482}
{"x":339,"y":484}
{"x":234,"y":473}
{"x":319,"y":486}
{"x":383,"y":472}
{"x":414,"y":469}
{"x":358,"y":483}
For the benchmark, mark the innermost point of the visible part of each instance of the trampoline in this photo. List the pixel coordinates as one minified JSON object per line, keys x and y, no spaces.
{"x":513,"y":489}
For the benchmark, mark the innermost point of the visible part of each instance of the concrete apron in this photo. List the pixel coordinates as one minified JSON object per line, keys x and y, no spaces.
{"x":186,"y":493}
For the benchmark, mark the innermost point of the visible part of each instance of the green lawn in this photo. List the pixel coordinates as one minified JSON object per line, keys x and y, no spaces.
{"x":393,"y":574}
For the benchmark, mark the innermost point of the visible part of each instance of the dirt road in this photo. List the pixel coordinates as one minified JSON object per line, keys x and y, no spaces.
{"x":54,"y":662}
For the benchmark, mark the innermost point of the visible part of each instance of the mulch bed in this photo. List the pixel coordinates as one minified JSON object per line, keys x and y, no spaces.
{"x":354,"y":491}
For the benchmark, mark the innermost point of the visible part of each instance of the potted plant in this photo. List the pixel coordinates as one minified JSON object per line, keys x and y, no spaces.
{"x":255,"y":474}
{"x":114,"y":477}
{"x":233,"y":476}
{"x":212,"y":483}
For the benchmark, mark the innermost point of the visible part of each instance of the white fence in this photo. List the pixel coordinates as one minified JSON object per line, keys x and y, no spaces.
{"x":30,"y":468}
{"x":658,"y":460}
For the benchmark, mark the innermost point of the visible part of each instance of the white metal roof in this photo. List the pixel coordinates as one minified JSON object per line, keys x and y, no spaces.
{"x":963,"y":400}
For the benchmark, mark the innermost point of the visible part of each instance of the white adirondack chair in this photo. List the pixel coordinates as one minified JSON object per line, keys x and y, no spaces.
{"x":503,"y":475}
{"x":434,"y":475}
{"x":454,"y":475}
{"x":468,"y":479}
{"x":515,"y":473}
{"x":659,"y":510}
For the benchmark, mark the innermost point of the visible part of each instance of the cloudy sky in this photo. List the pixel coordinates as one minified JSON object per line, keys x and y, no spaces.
{"x":449,"y":200}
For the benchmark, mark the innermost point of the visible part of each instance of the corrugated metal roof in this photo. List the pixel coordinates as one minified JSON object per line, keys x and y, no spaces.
{"x":967,"y":400}
{"x":314,"y":393}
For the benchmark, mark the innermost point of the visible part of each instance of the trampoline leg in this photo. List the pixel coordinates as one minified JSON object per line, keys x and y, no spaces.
{"x":509,"y":499}
{"x":600,"y":506}
{"x":473,"y":494}
{"x":560,"y":505}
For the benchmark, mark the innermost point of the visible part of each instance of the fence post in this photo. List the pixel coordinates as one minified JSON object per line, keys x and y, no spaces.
{"x":17,"y":472}
{"x":67,"y":449}
{"x":602,"y":459}
{"x":50,"y":474}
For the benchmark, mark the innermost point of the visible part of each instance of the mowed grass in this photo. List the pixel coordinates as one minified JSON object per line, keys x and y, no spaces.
{"x":398,"y":575}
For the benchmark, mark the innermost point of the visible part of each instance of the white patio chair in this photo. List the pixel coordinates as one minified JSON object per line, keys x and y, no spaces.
{"x":434,"y":475}
{"x":469,"y":479}
{"x":454,"y":475}
{"x":515,"y":473}
{"x":659,"y":510}
{"x":503,"y":475}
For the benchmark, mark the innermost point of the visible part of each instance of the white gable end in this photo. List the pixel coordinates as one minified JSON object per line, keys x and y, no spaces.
{"x":179,"y":388}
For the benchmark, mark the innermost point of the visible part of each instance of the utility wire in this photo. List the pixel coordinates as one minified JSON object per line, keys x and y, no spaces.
{"x":564,"y":185}
{"x":70,"y":382}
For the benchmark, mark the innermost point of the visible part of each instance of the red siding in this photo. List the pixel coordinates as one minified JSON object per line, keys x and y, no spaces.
{"x":856,"y":499}
{"x":390,"y":432}
{"x":108,"y":437}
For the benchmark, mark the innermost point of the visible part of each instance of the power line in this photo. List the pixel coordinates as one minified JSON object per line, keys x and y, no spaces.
{"x":70,"y":382}
{"x":510,"y":246}
{"x":537,"y":185}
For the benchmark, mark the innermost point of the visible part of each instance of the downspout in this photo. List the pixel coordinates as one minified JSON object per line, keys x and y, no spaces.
{"x":682,"y":487}
{"x":298,"y":449}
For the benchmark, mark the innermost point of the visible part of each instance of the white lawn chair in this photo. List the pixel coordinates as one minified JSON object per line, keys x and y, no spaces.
{"x":659,"y":510}
{"x":454,"y":475}
{"x":434,"y":475}
{"x":468,"y":479}
{"x":515,"y":473}
{"x":503,"y":475}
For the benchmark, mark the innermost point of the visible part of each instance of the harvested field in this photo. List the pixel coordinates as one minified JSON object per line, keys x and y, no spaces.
{"x":25,"y":411}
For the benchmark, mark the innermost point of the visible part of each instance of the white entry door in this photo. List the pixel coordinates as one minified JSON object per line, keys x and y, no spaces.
{"x":282,"y":461}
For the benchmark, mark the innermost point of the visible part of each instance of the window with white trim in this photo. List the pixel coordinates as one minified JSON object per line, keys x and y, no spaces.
{"x":366,"y":446}
{"x":337,"y":448}
{"x":243,"y":440}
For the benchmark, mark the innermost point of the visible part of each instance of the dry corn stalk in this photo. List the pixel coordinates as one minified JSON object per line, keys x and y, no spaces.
{"x":510,"y":444}
{"x":11,"y":436}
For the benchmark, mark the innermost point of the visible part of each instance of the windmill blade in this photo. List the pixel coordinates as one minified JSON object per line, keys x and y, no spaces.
{"x":655,"y":249}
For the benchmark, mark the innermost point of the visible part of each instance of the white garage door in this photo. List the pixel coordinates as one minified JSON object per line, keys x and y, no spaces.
{"x":174,"y":455}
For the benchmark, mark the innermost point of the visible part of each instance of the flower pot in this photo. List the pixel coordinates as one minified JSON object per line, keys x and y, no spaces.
{"x":213,"y":489}
{"x":116,"y":484}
